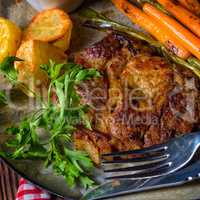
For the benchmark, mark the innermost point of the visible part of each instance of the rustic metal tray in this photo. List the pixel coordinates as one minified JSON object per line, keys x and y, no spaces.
{"x":21,"y":13}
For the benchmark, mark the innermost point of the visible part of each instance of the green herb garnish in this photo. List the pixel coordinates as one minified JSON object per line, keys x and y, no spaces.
{"x":58,"y":119}
{"x":8,"y":70}
{"x":3,"y":99}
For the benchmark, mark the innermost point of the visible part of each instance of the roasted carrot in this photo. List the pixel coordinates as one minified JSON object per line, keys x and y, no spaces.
{"x":185,"y":37}
{"x":154,"y":28}
{"x":192,"y":5}
{"x":183,"y":15}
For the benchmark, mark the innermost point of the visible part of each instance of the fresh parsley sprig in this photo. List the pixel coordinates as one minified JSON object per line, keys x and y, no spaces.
{"x":58,"y":119}
{"x":8,"y":70}
{"x":62,"y":118}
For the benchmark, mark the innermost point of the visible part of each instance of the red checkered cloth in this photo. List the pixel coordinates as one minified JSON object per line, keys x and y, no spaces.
{"x":28,"y":191}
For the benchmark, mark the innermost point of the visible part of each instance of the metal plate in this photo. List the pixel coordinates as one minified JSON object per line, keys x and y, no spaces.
{"x":33,"y":170}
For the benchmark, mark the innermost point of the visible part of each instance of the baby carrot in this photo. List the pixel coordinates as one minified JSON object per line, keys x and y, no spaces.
{"x":192,"y":5}
{"x":185,"y":37}
{"x":183,"y":15}
{"x":156,"y":29}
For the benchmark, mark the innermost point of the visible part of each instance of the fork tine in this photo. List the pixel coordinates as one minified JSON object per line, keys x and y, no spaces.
{"x":133,"y":162}
{"x":153,"y":149}
{"x":137,"y":172}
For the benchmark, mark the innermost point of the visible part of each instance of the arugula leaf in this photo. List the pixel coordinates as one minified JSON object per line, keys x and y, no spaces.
{"x":8,"y":70}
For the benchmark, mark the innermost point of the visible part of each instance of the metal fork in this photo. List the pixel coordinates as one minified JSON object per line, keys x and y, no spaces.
{"x":115,"y":188}
{"x":154,"y":161}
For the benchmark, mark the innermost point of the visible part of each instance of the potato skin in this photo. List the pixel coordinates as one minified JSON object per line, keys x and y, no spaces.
{"x":10,"y":38}
{"x":48,"y":26}
{"x":34,"y":53}
{"x":64,"y":42}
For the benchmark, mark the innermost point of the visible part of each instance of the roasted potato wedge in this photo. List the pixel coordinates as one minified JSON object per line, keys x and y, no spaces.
{"x":10,"y":38}
{"x":64,"y":42}
{"x":48,"y":26}
{"x":34,"y":53}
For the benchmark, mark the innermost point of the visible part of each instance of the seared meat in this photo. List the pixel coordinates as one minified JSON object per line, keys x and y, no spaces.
{"x":94,"y":93}
{"x":93,"y":143}
{"x":113,"y":45}
{"x":151,"y":77}
{"x":96,"y":143}
{"x":141,"y":99}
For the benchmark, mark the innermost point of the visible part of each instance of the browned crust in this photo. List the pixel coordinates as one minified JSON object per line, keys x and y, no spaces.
{"x":64,"y":22}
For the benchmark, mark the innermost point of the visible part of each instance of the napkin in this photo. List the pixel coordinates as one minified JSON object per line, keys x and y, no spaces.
{"x":28,"y":191}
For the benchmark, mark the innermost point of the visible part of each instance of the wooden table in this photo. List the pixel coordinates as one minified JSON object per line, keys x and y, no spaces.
{"x":8,"y":182}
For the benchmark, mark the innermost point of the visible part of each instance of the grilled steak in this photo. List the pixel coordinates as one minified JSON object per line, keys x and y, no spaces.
{"x":139,"y":101}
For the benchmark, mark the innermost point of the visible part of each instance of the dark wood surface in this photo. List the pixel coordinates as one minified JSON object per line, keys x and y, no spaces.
{"x":8,"y":182}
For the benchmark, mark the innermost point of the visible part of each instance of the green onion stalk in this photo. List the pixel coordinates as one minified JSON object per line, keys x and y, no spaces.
{"x":101,"y":22}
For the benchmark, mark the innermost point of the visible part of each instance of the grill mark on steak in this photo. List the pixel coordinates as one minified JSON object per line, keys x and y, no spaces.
{"x":165,"y":103}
